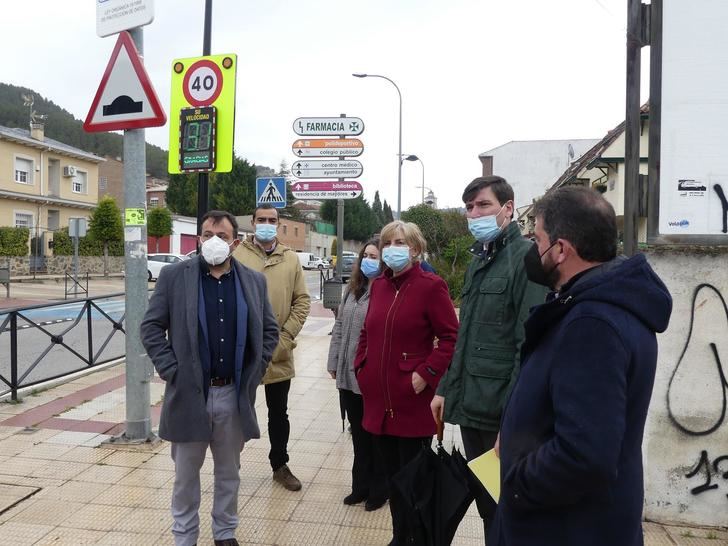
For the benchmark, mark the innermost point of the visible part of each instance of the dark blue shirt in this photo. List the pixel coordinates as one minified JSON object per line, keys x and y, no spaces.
{"x":221,"y":315}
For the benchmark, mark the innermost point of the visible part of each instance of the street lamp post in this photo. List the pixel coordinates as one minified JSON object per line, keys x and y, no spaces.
{"x":415,"y":158}
{"x":399,"y":153}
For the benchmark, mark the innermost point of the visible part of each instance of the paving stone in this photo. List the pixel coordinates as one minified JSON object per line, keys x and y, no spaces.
{"x":48,"y":512}
{"x":269,"y":508}
{"x":62,"y":536}
{"x":13,"y":532}
{"x":298,"y":533}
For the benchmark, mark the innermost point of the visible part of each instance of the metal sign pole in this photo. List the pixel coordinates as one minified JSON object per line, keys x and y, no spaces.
{"x":203,"y":179}
{"x":138,"y":365}
{"x":75,"y":265}
{"x":339,"y":229}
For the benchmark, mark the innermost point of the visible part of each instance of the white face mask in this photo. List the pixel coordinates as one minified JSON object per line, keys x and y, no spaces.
{"x":215,"y":251}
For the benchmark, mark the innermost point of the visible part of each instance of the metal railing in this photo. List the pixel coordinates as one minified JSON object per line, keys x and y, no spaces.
{"x":43,"y":342}
{"x":76,"y":285}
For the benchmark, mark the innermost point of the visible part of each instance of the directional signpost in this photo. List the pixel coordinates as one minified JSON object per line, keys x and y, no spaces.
{"x":326,"y":190}
{"x":326,"y":168}
{"x":328,"y":126}
{"x":328,"y":147}
{"x":336,"y":149}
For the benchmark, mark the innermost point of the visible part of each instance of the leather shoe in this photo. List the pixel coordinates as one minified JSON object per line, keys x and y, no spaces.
{"x":285,"y":477}
{"x":227,"y":542}
{"x":355,"y":498}
{"x":374,"y":504}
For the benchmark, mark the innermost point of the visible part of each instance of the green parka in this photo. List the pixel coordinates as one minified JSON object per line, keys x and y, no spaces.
{"x":496,"y":300}
{"x":288,"y":297}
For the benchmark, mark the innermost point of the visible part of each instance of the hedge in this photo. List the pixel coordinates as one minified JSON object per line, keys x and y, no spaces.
{"x":14,"y":241}
{"x":63,"y":246}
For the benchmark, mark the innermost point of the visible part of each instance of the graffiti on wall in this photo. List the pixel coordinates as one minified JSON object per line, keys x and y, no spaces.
{"x":723,"y":203}
{"x":707,"y":470}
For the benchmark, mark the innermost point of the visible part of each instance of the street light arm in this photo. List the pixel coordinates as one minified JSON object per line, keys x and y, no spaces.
{"x":399,"y":155}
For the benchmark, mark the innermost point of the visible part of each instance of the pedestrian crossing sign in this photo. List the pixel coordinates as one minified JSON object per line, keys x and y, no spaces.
{"x":271,"y":191}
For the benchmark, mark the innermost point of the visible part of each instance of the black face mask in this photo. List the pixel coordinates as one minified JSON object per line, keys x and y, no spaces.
{"x":535,"y":270}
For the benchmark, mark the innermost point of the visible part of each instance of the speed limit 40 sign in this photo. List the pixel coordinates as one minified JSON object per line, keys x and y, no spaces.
{"x":202,"y":82}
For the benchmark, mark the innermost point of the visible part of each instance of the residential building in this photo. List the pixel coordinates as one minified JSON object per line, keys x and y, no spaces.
{"x":156,"y":192}
{"x":111,"y":183}
{"x":290,"y":232}
{"x":532,"y":166}
{"x":111,"y":180}
{"x":602,"y":167}
{"x":431,"y":200}
{"x":44,"y":182}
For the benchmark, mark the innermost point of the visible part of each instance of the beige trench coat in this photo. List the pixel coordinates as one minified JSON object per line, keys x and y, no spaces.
{"x":288,"y":297}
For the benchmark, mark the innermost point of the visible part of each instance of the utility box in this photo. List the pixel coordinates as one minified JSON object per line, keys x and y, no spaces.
{"x":332,"y":293}
{"x":5,"y":279}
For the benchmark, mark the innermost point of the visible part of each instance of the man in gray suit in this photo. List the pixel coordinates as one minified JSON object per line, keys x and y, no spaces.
{"x":210,"y":333}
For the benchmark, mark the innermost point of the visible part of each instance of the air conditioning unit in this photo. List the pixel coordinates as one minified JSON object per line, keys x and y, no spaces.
{"x":69,"y":170}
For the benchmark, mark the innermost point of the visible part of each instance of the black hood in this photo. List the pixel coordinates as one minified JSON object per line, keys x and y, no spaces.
{"x":629,"y":283}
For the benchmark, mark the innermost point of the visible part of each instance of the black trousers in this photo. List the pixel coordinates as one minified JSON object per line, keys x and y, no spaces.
{"x":396,"y":452}
{"x":279,"y":428}
{"x":476,"y":442}
{"x":367,"y":474}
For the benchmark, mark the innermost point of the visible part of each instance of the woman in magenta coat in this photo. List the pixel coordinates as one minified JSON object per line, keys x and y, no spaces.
{"x":405,"y":347}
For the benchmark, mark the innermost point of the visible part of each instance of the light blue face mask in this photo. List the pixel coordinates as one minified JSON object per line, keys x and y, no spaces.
{"x":370,"y":267}
{"x":265,"y":233}
{"x":396,"y":257}
{"x":485,"y":228}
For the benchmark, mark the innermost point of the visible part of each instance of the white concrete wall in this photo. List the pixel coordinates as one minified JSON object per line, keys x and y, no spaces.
{"x":319,"y":243}
{"x":532,"y":166}
{"x":696,"y":395}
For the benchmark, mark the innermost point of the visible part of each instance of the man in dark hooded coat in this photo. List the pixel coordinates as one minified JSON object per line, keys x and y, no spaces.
{"x":571,"y":435}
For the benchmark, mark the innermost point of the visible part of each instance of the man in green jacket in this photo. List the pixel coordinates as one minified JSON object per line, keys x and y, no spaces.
{"x":496,"y":299}
{"x":291,"y":304}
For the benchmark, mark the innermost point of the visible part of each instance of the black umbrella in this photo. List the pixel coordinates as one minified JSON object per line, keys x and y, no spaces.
{"x":342,"y":409}
{"x":436,"y":494}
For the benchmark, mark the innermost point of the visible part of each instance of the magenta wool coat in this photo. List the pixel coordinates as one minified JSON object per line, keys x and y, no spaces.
{"x":406,"y":315}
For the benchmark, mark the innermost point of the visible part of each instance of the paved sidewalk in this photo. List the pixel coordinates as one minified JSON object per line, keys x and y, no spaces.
{"x":59,"y":485}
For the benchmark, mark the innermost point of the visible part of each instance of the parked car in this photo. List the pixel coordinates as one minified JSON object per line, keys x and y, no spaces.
{"x":320,"y":263}
{"x":347,"y":265}
{"x":307,"y":259}
{"x":343,"y":254}
{"x":155,"y":263}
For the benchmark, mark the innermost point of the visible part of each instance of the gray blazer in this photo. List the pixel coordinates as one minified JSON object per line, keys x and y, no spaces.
{"x":345,"y":339}
{"x":170,"y":334}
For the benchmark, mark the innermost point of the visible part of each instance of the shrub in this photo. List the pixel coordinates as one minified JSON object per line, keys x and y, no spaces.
{"x":14,"y":241}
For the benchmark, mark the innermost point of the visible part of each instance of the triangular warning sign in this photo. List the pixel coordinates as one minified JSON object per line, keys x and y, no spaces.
{"x":125,"y":98}
{"x":271,"y":194}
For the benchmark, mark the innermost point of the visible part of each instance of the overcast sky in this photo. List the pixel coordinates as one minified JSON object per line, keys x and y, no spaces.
{"x":474,"y":74}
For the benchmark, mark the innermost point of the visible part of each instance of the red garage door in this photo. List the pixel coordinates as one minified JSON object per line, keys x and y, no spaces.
{"x":188,"y":243}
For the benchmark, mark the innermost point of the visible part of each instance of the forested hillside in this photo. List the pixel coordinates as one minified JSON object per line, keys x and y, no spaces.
{"x":62,"y":126}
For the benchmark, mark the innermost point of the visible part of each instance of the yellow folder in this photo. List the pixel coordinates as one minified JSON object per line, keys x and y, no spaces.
{"x":487,"y":469}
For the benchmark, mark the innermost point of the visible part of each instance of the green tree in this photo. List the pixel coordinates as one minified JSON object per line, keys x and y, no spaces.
{"x":333,"y":247}
{"x":378,"y":211}
{"x":181,"y":195}
{"x":159,"y":224}
{"x":234,"y":191}
{"x":431,"y":225}
{"x":105,"y":227}
{"x":359,"y":222}
{"x":387,"y":210}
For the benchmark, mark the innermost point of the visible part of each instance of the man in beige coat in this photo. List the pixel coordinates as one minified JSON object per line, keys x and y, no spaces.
{"x":291,"y":304}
